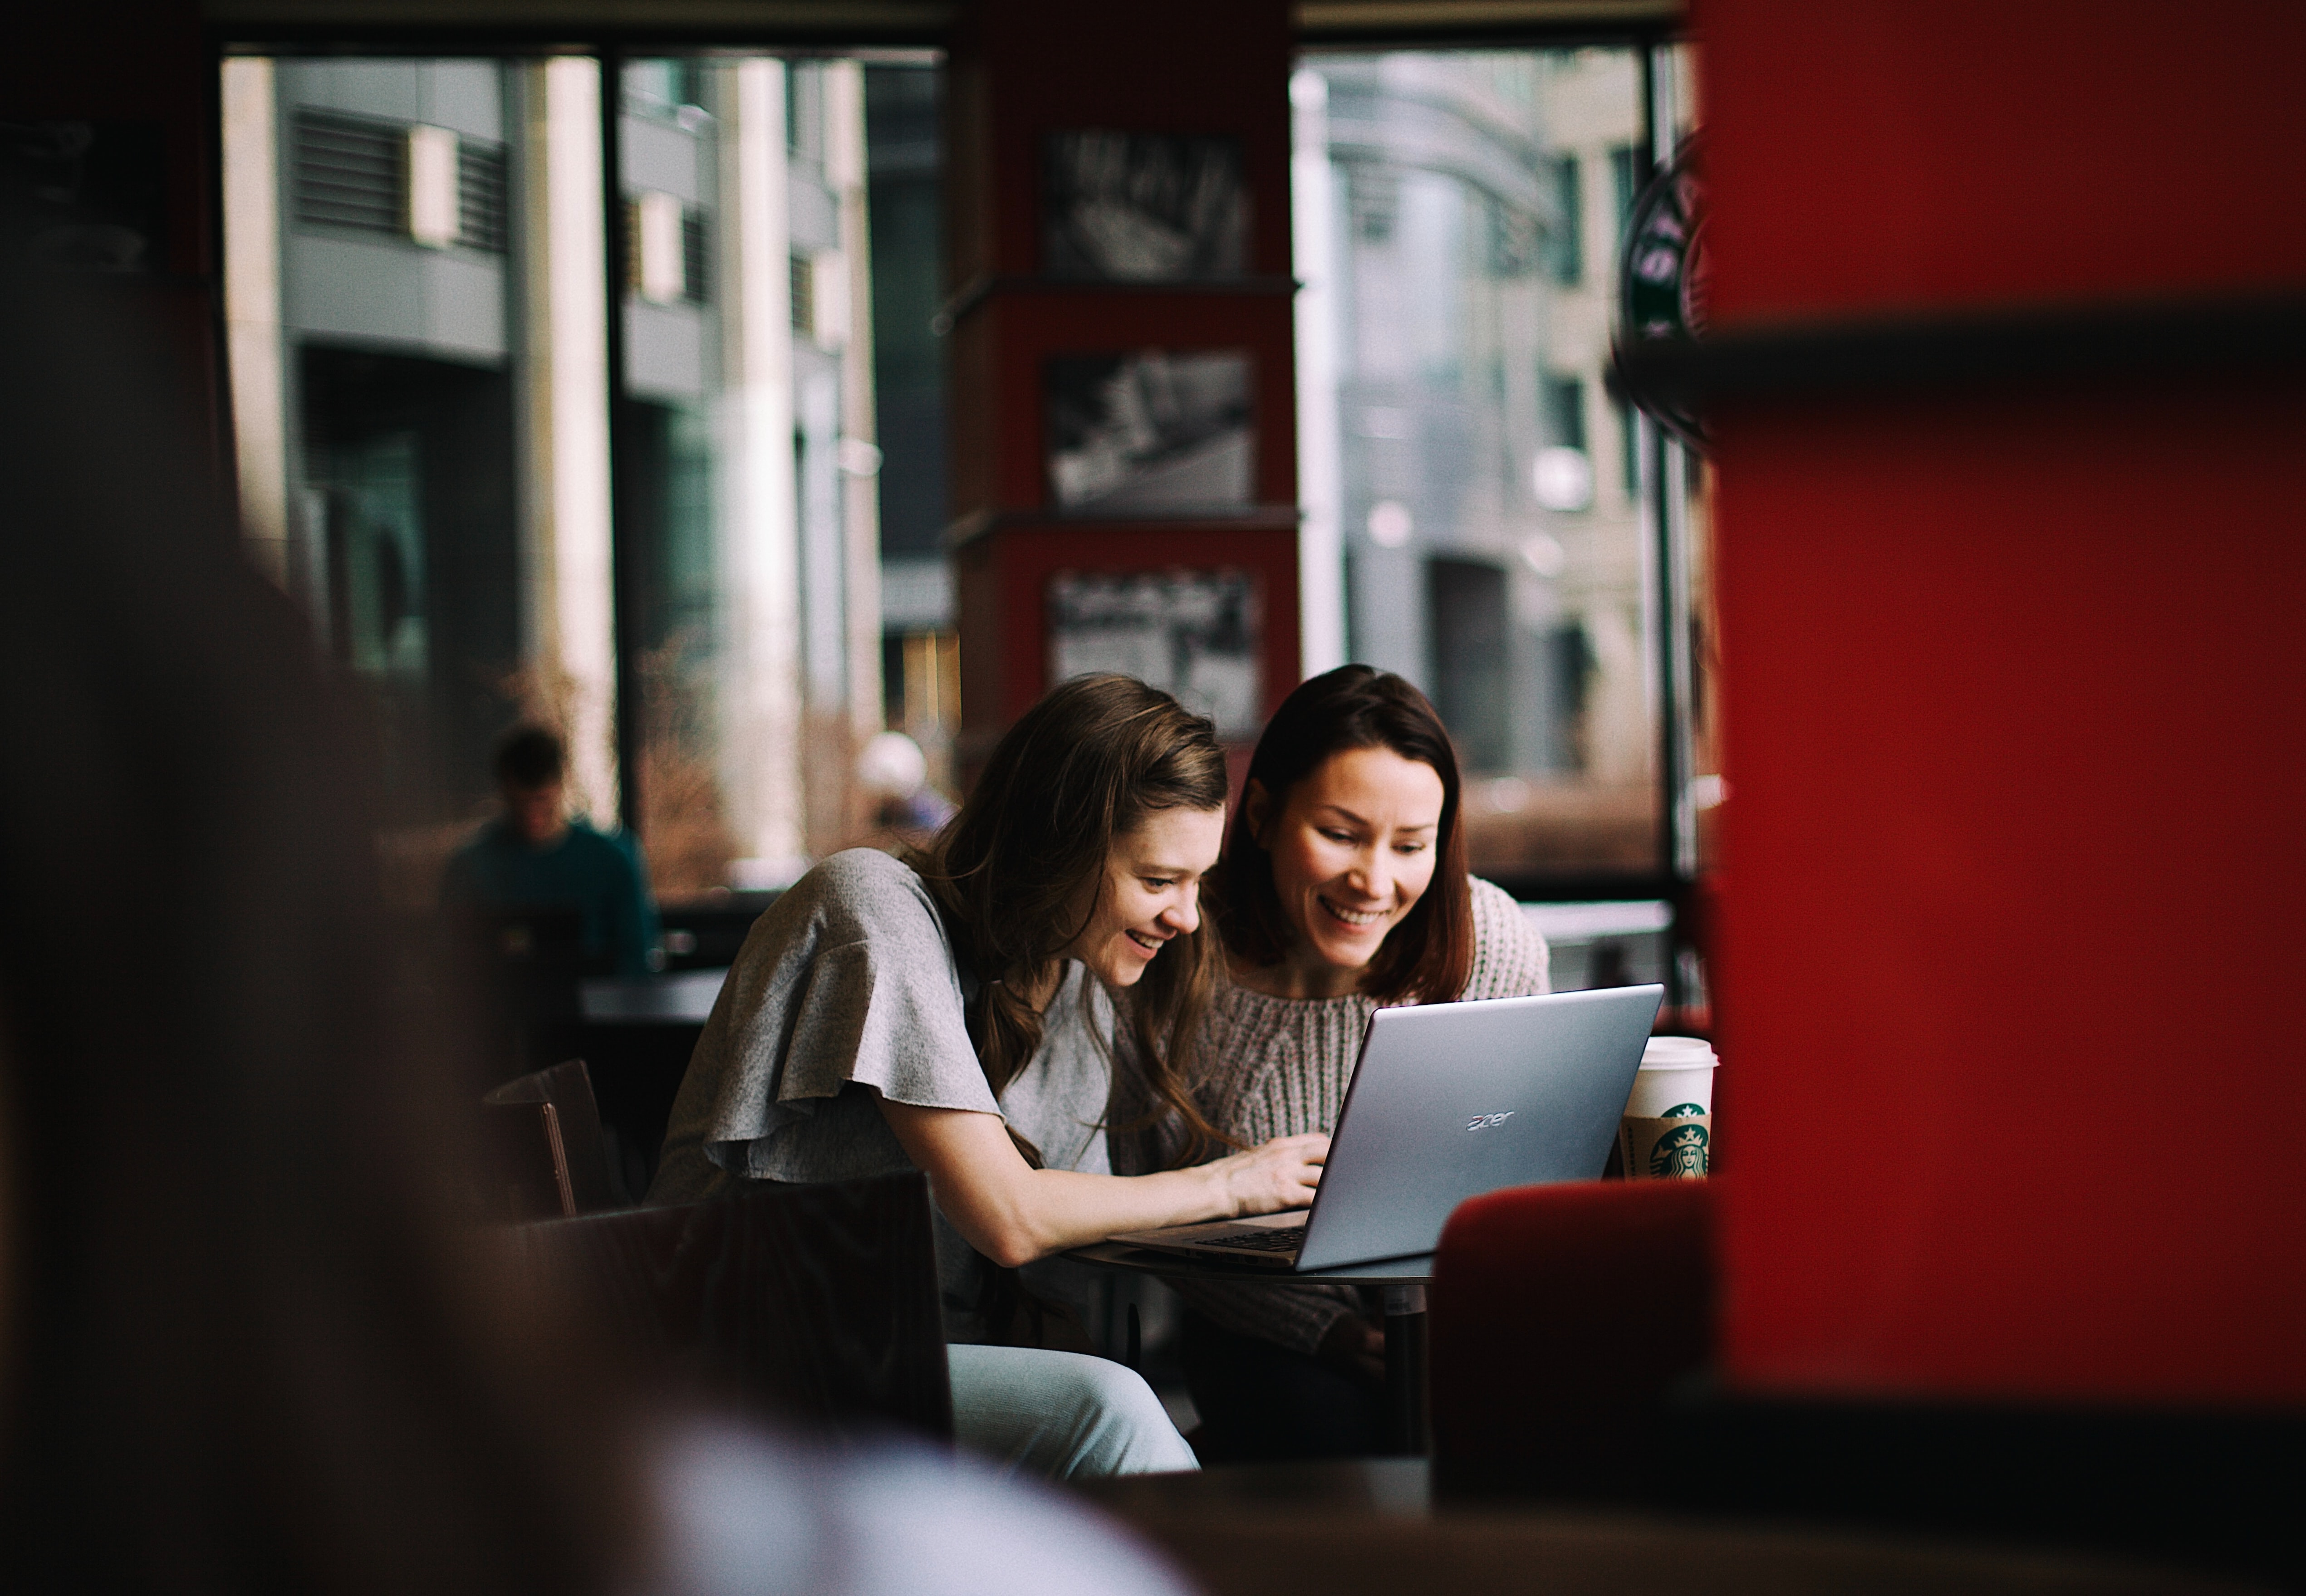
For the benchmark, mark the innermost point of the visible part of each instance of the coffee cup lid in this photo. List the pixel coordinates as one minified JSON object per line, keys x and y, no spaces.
{"x":1678,"y":1052}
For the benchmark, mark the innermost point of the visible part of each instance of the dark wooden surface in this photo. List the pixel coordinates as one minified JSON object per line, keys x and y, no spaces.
{"x":1342,"y":1529}
{"x":817,"y":1302}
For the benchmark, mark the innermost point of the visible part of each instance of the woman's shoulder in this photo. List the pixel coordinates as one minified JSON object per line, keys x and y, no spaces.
{"x":1494,"y":908}
{"x":858,"y":895}
{"x":863,"y":886}
{"x":1510,"y":958}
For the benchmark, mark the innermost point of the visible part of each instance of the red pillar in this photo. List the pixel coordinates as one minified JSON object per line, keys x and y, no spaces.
{"x":2014,"y":700}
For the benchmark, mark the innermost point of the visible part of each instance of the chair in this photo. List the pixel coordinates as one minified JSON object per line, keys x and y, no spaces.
{"x":1561,"y":1315}
{"x":551,"y":1152}
{"x":818,"y":1302}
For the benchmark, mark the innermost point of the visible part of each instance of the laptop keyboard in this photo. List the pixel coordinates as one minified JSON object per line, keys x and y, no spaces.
{"x":1260,"y":1241}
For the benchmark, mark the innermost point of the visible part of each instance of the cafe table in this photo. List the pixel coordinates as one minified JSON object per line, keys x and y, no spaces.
{"x":1401,"y":1279}
{"x":682,"y":998}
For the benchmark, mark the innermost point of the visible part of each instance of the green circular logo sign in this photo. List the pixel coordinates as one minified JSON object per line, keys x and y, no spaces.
{"x":1679,"y":1153}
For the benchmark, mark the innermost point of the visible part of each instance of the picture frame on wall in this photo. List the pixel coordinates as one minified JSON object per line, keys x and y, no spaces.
{"x":1196,"y":634}
{"x":1148,"y":208}
{"x":1150,"y":432}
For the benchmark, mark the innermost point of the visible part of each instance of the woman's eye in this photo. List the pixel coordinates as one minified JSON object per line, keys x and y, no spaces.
{"x":1409,"y":848}
{"x":1338,"y":836}
{"x":1161,"y":883}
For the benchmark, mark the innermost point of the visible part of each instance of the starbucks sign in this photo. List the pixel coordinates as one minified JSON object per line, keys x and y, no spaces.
{"x":1662,"y":278}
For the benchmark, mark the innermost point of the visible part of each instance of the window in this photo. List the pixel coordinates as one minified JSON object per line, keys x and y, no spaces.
{"x":1565,"y":412}
{"x":428,"y":407}
{"x":1566,"y":246}
{"x":1461,"y":463}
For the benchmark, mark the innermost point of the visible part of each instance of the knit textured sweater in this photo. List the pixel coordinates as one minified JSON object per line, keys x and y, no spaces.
{"x":1276,"y":1066}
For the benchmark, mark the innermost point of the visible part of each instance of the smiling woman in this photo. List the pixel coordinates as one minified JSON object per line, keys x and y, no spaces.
{"x":1350,"y":852}
{"x":955,"y":1012}
{"x":1343,"y":888}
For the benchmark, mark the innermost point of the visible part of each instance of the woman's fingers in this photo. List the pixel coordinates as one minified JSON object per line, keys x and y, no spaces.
{"x":1278,"y":1173}
{"x":1312,"y":1146}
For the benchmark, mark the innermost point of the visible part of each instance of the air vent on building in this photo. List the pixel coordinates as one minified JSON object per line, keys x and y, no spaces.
{"x":481,"y":196}
{"x":347,"y":172}
{"x":351,"y":172}
{"x":695,"y":257}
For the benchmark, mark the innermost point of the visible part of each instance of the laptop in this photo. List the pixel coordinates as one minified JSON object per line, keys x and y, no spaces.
{"x":1449,"y":1101}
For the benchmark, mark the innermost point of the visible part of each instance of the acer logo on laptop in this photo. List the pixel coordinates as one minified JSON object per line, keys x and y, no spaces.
{"x":1483,"y":1121}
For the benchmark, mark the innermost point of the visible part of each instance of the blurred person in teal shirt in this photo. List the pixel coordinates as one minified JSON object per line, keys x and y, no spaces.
{"x":535,"y":855}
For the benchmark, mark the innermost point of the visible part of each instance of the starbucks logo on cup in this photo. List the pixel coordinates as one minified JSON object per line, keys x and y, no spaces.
{"x":1684,"y":1111}
{"x":1680,"y":1155}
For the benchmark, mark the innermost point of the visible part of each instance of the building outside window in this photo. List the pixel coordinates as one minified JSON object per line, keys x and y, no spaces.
{"x":1486,"y":519}
{"x":427,"y":411}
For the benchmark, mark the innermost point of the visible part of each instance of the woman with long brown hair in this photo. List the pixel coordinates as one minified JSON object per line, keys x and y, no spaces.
{"x":1343,"y":889}
{"x":954,"y":1013}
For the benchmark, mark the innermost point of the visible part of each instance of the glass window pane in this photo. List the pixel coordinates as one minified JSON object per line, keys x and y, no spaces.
{"x":414,"y":295}
{"x":1456,"y":224}
{"x":748,"y":429}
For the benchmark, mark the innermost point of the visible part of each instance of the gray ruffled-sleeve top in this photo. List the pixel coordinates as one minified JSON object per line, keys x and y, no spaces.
{"x":846,"y":989}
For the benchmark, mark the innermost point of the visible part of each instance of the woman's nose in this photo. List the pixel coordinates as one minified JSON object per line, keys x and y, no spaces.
{"x":1184,"y":915}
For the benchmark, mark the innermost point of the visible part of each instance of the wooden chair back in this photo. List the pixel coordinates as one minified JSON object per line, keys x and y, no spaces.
{"x":563,"y":1168}
{"x":818,"y":1302}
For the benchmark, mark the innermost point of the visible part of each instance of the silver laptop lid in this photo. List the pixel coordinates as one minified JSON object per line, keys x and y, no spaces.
{"x":1452,"y":1100}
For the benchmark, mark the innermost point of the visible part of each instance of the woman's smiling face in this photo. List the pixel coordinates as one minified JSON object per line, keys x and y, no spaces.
{"x":1151,"y":892}
{"x":1353,"y":848}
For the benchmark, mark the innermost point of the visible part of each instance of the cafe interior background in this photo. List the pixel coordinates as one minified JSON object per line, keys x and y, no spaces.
{"x":1887,"y":645}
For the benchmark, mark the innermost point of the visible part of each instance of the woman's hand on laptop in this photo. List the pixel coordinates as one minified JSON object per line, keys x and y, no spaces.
{"x":1280,"y":1173}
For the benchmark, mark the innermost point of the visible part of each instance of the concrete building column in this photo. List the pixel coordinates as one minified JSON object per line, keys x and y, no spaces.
{"x":760,"y":684}
{"x":251,"y":312}
{"x":567,"y":619}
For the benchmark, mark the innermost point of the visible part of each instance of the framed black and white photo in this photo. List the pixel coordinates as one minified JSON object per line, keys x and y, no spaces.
{"x":1194,"y":633}
{"x":1150,"y":432}
{"x":88,"y":196}
{"x":1151,"y":207}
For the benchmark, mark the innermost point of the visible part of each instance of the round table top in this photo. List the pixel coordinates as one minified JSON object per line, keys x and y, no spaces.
{"x":1149,"y":1260}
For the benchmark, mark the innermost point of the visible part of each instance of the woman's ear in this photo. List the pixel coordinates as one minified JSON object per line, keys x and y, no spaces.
{"x":1256,"y":811}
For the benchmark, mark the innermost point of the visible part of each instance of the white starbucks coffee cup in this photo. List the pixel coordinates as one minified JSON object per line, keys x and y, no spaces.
{"x":1676,"y":1080}
{"x":1667,"y":1134}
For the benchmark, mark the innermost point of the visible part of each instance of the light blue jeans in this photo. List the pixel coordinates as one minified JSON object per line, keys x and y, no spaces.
{"x":1060,"y":1415}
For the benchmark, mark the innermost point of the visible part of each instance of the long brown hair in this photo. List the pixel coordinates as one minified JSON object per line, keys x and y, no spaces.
{"x":1429,"y":955}
{"x":1085,"y":765}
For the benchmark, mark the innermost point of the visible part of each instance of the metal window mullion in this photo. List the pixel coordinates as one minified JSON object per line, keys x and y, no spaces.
{"x":624,"y":564}
{"x":1676,"y":837}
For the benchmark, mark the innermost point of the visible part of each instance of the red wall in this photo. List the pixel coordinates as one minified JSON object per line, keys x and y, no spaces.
{"x":1889,"y":154}
{"x":2014,"y":696}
